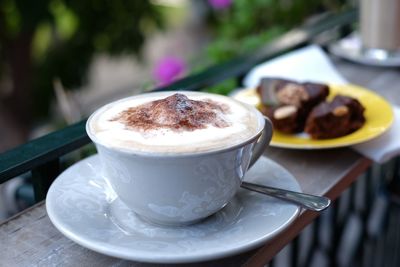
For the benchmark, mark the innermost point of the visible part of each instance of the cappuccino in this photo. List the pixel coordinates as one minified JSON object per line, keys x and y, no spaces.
{"x":168,"y":122}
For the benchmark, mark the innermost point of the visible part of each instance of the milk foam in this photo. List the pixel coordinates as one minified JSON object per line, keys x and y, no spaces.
{"x":243,"y":124}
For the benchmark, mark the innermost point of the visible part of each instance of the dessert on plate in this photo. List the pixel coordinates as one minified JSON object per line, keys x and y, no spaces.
{"x":295,"y":107}
{"x":341,"y":116}
{"x":287,"y":103}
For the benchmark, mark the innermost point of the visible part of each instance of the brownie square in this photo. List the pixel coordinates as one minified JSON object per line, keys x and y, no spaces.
{"x":276,"y":93}
{"x":341,"y":116}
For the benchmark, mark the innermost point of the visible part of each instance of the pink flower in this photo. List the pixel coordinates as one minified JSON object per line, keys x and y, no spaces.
{"x":169,"y":69}
{"x":220,"y":4}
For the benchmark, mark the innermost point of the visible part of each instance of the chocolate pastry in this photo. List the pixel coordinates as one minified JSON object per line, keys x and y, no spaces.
{"x":284,"y":118}
{"x":357,"y":118}
{"x":276,"y":93}
{"x":341,"y":116}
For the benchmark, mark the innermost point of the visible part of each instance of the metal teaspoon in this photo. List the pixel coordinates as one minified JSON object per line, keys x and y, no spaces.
{"x":307,"y":201}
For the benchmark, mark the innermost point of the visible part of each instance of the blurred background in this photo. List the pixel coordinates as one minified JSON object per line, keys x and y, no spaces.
{"x":61,"y":59}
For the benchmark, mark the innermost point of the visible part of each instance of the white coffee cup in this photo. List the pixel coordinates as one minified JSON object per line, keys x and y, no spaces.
{"x":179,"y":188}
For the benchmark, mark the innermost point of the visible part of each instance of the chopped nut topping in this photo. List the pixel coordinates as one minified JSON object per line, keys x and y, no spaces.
{"x":340,"y":111}
{"x":292,"y":94}
{"x":284,"y":112}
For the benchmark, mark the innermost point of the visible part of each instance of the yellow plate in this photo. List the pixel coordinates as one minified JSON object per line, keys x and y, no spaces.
{"x":378,"y":114}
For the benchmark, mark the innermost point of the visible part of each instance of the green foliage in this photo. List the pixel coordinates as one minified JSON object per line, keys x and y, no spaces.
{"x":223,"y":88}
{"x":67,"y":33}
{"x":113,"y":27}
{"x":249,"y":24}
{"x":226,"y":48}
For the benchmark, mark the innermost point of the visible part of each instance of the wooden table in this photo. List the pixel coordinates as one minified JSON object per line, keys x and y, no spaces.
{"x":29,"y":238}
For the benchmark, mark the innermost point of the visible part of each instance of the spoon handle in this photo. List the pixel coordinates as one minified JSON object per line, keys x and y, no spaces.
{"x":311,"y":202}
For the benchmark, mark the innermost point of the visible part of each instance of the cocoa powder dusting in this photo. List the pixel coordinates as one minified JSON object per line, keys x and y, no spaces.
{"x":176,"y":112}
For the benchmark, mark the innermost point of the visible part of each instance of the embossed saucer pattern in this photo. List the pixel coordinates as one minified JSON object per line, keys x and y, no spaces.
{"x":82,"y":206}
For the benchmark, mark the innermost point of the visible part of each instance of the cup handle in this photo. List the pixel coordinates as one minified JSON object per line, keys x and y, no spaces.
{"x":262,"y":142}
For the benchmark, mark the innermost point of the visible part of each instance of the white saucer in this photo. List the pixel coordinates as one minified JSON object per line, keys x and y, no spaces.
{"x":83,"y":207}
{"x":350,"y":48}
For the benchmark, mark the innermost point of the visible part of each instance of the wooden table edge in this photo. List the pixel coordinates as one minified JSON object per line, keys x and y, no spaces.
{"x":265,"y":254}
{"x":23,"y":212}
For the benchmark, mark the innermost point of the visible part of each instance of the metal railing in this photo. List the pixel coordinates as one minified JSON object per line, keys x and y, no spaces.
{"x":41,"y":156}
{"x":361,"y":228}
{"x":372,"y":203}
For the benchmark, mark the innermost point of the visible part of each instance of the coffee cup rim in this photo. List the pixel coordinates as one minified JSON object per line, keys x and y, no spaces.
{"x":96,"y":141}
